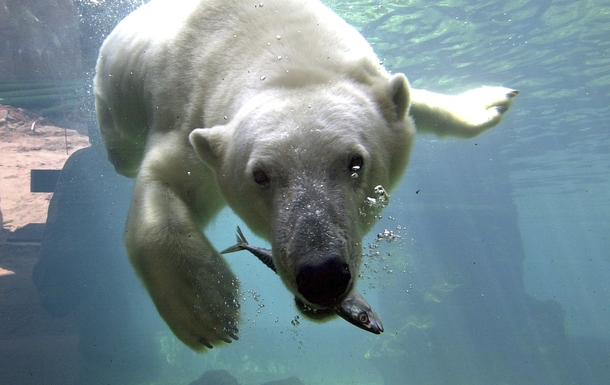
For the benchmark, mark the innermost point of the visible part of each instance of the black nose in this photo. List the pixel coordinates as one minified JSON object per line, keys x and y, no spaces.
{"x":325,"y":283}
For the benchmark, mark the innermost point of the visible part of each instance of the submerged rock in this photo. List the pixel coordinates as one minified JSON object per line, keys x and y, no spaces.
{"x":288,"y":381}
{"x":215,"y":377}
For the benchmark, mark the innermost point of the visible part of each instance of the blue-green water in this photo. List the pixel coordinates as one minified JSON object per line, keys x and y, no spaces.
{"x":501,"y":272}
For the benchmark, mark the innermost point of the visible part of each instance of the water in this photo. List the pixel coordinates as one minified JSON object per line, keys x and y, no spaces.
{"x":499,"y":274}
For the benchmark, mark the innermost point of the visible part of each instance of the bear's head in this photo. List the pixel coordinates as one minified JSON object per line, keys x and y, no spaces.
{"x":300,"y":167}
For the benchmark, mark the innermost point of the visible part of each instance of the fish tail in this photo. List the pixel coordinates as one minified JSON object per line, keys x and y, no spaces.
{"x":241,"y":241}
{"x":232,"y":249}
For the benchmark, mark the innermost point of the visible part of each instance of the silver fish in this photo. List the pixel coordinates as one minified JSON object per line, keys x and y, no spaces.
{"x":354,"y":308}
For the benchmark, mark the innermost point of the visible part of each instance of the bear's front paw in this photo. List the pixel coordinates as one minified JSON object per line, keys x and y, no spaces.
{"x":215,"y":323}
{"x":483,"y":107}
{"x":198,"y":303}
{"x":214,"y":313}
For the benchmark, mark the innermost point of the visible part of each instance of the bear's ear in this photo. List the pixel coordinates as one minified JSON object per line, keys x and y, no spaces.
{"x":393,"y":97}
{"x":210,"y":144}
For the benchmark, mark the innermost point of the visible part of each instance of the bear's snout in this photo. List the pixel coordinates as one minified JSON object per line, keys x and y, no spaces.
{"x":324,"y":283}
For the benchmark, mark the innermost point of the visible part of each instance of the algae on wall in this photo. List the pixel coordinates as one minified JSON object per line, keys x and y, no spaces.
{"x":39,"y":39}
{"x":48,"y":50}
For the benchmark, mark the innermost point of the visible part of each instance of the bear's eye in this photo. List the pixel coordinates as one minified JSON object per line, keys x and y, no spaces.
{"x":260,"y":177}
{"x":356,"y":165}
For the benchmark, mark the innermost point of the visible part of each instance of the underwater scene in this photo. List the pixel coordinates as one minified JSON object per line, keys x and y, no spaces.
{"x":489,"y":265}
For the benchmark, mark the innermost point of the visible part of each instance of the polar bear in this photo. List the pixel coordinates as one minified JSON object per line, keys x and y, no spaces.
{"x":280,"y":110}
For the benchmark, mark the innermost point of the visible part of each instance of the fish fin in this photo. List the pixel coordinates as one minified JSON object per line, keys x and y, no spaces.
{"x":232,"y":249}
{"x":241,"y":239}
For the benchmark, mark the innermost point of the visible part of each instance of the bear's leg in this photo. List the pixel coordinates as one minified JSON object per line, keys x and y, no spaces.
{"x":191,"y":285}
{"x":465,"y":115}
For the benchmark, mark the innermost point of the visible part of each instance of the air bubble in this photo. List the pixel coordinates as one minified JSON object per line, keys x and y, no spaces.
{"x":295,"y":321}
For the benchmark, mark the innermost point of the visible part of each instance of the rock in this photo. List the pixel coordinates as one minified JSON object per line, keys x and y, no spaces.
{"x":288,"y":381}
{"x":215,"y":377}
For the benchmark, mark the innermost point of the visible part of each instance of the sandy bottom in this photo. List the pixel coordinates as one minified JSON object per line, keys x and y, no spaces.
{"x":21,"y":149}
{"x":34,"y":347}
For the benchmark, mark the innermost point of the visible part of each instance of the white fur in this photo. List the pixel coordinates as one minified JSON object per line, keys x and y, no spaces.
{"x":197,"y":97}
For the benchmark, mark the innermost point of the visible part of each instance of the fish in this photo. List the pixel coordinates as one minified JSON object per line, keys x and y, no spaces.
{"x":354,"y":308}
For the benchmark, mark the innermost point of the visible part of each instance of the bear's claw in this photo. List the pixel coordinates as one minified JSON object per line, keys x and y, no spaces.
{"x":225,"y":339}
{"x":228,"y":332}
{"x":204,"y":342}
{"x":232,"y":334}
{"x":501,"y":109}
